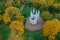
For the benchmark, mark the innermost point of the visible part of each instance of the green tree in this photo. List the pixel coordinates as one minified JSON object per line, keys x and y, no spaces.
{"x":51,"y":9}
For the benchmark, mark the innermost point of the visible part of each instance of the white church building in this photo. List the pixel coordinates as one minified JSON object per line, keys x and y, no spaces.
{"x":34,"y":16}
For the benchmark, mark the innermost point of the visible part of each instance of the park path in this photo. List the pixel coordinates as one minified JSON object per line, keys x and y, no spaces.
{"x":31,"y":27}
{"x":22,"y":6}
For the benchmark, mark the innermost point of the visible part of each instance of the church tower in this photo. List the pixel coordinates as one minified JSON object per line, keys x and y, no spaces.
{"x":34,"y":16}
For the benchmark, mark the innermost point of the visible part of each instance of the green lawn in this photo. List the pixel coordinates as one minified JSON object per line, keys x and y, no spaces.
{"x":4,"y":32}
{"x":36,"y":35}
{"x":26,"y":11}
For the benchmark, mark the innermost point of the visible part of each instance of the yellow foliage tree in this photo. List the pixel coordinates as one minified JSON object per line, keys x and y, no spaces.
{"x":6,"y":18}
{"x":8,"y":3}
{"x":51,"y":28}
{"x":17,"y":30}
{"x":56,"y":5}
{"x":50,"y":2}
{"x":12,"y":13}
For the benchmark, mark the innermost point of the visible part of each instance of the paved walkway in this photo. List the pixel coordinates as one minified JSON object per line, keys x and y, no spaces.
{"x":31,"y":27}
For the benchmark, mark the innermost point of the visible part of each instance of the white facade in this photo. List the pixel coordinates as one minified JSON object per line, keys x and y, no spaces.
{"x":34,"y":16}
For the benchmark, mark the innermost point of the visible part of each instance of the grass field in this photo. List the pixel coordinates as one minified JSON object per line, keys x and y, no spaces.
{"x":4,"y":32}
{"x":26,"y":11}
{"x":36,"y":35}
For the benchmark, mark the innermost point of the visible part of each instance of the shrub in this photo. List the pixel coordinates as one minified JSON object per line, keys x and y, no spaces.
{"x":52,"y":9}
{"x":46,"y":15}
{"x":58,"y":10}
{"x":57,"y":16}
